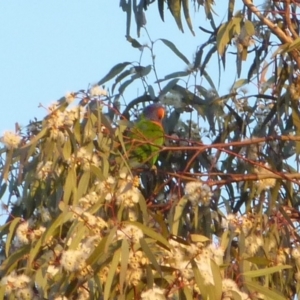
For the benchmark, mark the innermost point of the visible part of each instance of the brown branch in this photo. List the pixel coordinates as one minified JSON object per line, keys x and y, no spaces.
{"x":283,"y":37}
{"x":288,"y":20}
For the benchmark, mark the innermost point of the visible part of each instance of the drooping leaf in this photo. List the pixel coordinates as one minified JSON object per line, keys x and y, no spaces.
{"x":185,"y":5}
{"x":175,"y":50}
{"x":113,"y":72}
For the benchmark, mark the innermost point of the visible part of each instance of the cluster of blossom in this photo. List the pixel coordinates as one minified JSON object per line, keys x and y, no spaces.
{"x":241,"y":104}
{"x":296,"y":256}
{"x":253,"y":238}
{"x":27,"y":232}
{"x":127,"y":194}
{"x":198,"y":193}
{"x":18,"y":286}
{"x":106,"y":188}
{"x":95,"y":223}
{"x":267,"y":183}
{"x":137,"y":259}
{"x":88,"y":200}
{"x":58,"y":119}
{"x":253,"y":150}
{"x":172,"y":98}
{"x":294,"y":89}
{"x":154,"y":293}
{"x":194,"y":130}
{"x":84,"y":159}
{"x":43,"y":169}
{"x":179,"y":258}
{"x":125,"y":189}
{"x":97,"y":91}
{"x":136,"y":267}
{"x":10,"y":140}
{"x":74,"y":261}
{"x":44,"y":213}
{"x":230,"y":290}
{"x":130,"y":232}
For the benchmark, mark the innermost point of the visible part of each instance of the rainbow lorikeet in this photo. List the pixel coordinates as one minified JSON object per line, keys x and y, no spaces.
{"x":147,"y":136}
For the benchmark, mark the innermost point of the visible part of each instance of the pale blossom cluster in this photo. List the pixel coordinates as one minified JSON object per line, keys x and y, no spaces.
{"x":296,"y":256}
{"x":88,"y":200}
{"x":70,"y":97}
{"x":58,"y":119}
{"x":253,"y":243}
{"x":28,"y":232}
{"x":85,"y":159}
{"x":172,"y":98}
{"x":198,"y":193}
{"x":10,"y":140}
{"x":230,"y":290}
{"x":136,"y":265}
{"x":18,"y":286}
{"x":43,"y":169}
{"x":44,"y":213}
{"x":75,"y":261}
{"x":130,"y":232}
{"x":155,"y":293}
{"x":194,"y":131}
{"x":180,"y":257}
{"x":127,"y":193}
{"x":106,"y":188}
{"x":253,"y":150}
{"x":266,"y":183}
{"x":95,"y":223}
{"x":97,"y":91}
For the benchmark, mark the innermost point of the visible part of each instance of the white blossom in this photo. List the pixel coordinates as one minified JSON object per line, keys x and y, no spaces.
{"x":10,"y":139}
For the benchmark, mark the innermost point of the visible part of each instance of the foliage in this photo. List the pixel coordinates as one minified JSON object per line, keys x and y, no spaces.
{"x":216,"y":218}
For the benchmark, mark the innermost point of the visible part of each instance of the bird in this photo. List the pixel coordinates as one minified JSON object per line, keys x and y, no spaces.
{"x":147,"y":136}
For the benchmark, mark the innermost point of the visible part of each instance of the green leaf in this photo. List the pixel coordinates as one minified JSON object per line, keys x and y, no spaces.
{"x":175,"y":50}
{"x":151,"y":233}
{"x":199,"y":280}
{"x":271,"y":294}
{"x":8,"y":164}
{"x":11,"y":230}
{"x":120,"y":77}
{"x":250,"y":29}
{"x":199,"y":238}
{"x":134,"y":43}
{"x":266,"y":271}
{"x":217,"y":279}
{"x":169,"y":86}
{"x":260,"y":261}
{"x":174,"y":75}
{"x":178,"y":214}
{"x":3,"y":189}
{"x":239,"y":83}
{"x":109,"y":239}
{"x":67,"y":149}
{"x":97,"y":253}
{"x":111,"y":274}
{"x":113,"y":72}
{"x":83,"y":184}
{"x":14,"y":259}
{"x":161,"y":8}
{"x":188,"y":293}
{"x":150,"y":255}
{"x":124,"y":263}
{"x":185,"y":5}
{"x":97,"y":172}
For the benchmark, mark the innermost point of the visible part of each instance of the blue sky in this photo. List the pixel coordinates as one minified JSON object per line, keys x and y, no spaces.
{"x":49,"y":48}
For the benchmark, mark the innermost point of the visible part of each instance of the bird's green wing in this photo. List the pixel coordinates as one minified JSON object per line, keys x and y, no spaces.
{"x":146,"y":139}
